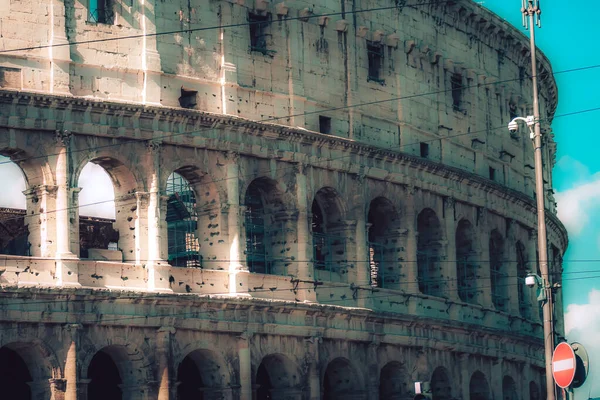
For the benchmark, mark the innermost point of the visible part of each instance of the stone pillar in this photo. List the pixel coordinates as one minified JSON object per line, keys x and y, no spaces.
{"x":163,"y":353}
{"x":497,"y":377}
{"x":411,"y":284}
{"x":72,"y":336}
{"x":40,"y":389}
{"x":245,"y":361}
{"x":83,"y":389}
{"x":449,"y":270}
{"x":485,"y":282}
{"x":41,"y":223}
{"x":74,"y":219}
{"x":59,"y":53}
{"x":373,"y":370}
{"x":313,"y":361}
{"x":238,"y":273}
{"x":465,"y":377}
{"x":510,"y":267}
{"x":303,"y":267}
{"x":66,"y":260}
{"x":158,"y":269}
{"x":57,"y":389}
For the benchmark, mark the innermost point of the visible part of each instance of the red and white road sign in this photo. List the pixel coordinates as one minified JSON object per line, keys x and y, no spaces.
{"x":563,"y":365}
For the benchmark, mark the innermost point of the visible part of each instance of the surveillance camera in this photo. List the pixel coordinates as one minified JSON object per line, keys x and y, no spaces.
{"x":530,"y":280}
{"x":513,"y":126}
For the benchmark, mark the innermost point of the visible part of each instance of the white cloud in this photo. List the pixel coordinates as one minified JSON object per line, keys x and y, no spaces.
{"x":577,"y":171}
{"x":12,"y":183}
{"x":582,"y":324}
{"x":97,"y":192}
{"x":575,"y":205}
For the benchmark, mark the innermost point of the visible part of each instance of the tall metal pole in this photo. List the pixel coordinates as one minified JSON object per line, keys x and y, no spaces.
{"x":531,"y":9}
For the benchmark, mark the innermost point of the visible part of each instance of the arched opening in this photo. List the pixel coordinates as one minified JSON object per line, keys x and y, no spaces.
{"x":498,"y":275}
{"x":329,"y":237}
{"x":97,"y":237}
{"x":267,"y":228}
{"x":183,"y":247}
{"x":105,"y":379}
{"x":522,"y":290}
{"x":440,"y":385}
{"x":14,"y":375}
{"x":200,"y":376}
{"x":466,"y":263}
{"x":276,"y":377}
{"x":509,"y":389}
{"x":340,"y":380}
{"x":534,"y":391}
{"x":429,"y":249}
{"x":392,"y":382}
{"x":478,"y":387}
{"x":384,"y":244}
{"x":14,"y":232}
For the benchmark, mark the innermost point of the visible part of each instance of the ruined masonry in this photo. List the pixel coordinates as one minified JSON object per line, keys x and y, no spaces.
{"x":307,"y":207}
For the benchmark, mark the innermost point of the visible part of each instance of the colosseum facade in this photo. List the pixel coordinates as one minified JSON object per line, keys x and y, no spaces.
{"x":312,"y":201}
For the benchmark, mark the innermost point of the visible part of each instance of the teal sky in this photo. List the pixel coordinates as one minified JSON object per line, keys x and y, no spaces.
{"x":569,"y":38}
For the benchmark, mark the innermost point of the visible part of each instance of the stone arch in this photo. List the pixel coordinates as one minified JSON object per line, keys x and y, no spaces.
{"x":479,"y":388}
{"x":107,"y":373}
{"x":392,"y":381}
{"x":522,"y":290}
{"x":498,"y":273}
{"x":25,"y":369}
{"x":21,"y":230}
{"x":340,"y":379}
{"x":277,"y":377}
{"x":467,"y":268}
{"x":267,"y":227}
{"x":330,"y":235}
{"x":534,"y":391}
{"x":203,"y":371}
{"x":128,"y":198}
{"x":429,"y":254}
{"x":383,"y":223}
{"x":509,"y":389}
{"x":441,"y":389}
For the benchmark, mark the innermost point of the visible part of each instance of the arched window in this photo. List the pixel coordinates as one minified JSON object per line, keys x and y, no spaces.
{"x":440,"y":385}
{"x":392,"y":381}
{"x":429,"y":247}
{"x":266,"y":227}
{"x":522,"y":290}
{"x":384,"y":246}
{"x":498,"y":275}
{"x":182,"y":223}
{"x":340,"y":380}
{"x":14,"y":376}
{"x":14,"y":232}
{"x":509,"y":389}
{"x":329,"y":240}
{"x":276,"y":376}
{"x":478,"y":387}
{"x":97,"y":214}
{"x":201,"y":374}
{"x":105,"y":379}
{"x":466,"y":263}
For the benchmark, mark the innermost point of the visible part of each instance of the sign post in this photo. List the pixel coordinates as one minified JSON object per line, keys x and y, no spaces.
{"x":563,"y":365}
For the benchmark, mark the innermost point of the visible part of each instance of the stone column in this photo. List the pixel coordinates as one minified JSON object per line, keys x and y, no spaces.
{"x":41,"y":223}
{"x":245,"y":361}
{"x":40,"y":389}
{"x":496,"y":377}
{"x":74,"y":219}
{"x":313,"y":361}
{"x":57,"y":388}
{"x":238,"y":273}
{"x":373,"y":370}
{"x":140,"y":236}
{"x":465,"y":376}
{"x":158,"y":269}
{"x":59,"y":54}
{"x":66,"y":260}
{"x":484,"y":284}
{"x":72,"y":336}
{"x":449,"y":260}
{"x":303,"y":267}
{"x":411,"y":269}
{"x":510,"y":268}
{"x":163,"y":353}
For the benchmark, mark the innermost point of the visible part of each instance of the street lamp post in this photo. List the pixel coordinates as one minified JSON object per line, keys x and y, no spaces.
{"x":531,"y":18}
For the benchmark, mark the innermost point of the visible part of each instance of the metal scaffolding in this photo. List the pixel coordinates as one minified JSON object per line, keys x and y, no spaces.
{"x":182,"y":223}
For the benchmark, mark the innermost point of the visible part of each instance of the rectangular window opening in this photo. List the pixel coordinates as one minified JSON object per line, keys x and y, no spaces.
{"x":492,"y":174}
{"x":375,"y":54}
{"x":424,"y":150}
{"x":324,"y":124}
{"x":259,"y":26}
{"x":101,"y":12}
{"x":456,"y":82}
